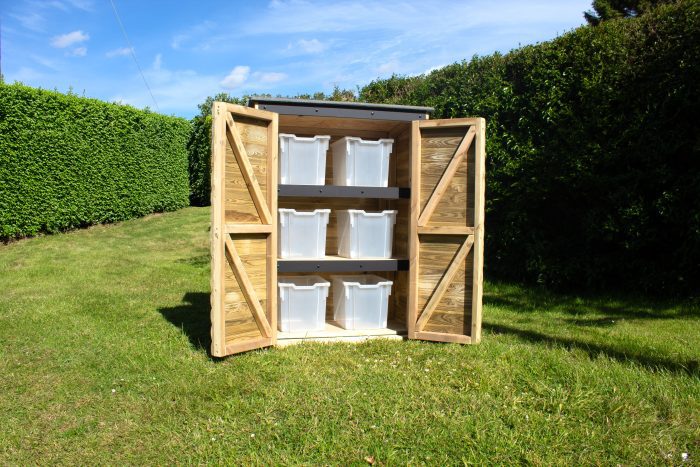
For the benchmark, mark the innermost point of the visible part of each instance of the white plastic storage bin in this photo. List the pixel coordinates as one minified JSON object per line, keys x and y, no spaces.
{"x":361,"y":302}
{"x":364,"y":234}
{"x":302,"y":303}
{"x":302,"y":234}
{"x":303,"y":160}
{"x":359,"y":162}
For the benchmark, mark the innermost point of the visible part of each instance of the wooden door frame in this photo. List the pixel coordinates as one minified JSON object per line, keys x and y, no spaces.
{"x":474,"y":236}
{"x":223,"y":250}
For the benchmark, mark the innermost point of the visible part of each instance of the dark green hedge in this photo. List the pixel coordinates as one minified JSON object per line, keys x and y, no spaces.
{"x":593,"y":148}
{"x":199,"y":149}
{"x":67,"y":161}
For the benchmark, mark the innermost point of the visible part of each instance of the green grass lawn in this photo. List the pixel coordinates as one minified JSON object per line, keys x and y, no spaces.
{"x":103,"y":356}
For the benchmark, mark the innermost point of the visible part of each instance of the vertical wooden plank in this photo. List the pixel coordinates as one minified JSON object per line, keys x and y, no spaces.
{"x":479,"y":207}
{"x":218,"y":152}
{"x":272,"y":178}
{"x":413,"y":247}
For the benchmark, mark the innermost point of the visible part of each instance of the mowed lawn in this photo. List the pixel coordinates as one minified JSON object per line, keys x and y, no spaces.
{"x":103,"y":359}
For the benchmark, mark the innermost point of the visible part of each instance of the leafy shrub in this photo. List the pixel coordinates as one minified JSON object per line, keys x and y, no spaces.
{"x":593,"y":141}
{"x":199,"y":150}
{"x":68,"y":161}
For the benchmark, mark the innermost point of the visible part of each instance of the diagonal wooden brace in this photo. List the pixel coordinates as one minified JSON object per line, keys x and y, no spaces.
{"x":234,"y":139}
{"x":444,"y":183}
{"x":246,"y":287}
{"x":445,"y":281}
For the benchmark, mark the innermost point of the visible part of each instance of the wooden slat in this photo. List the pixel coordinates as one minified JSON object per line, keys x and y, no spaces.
{"x":250,"y":112}
{"x":445,"y":123}
{"x":239,"y":151}
{"x":445,"y":282}
{"x":272,"y":179}
{"x":247,"y":345}
{"x":413,"y":247}
{"x":218,"y":151}
{"x":445,"y":230}
{"x":443,"y":337}
{"x":479,"y":207}
{"x":247,"y":287}
{"x":444,"y":182}
{"x":248,"y":228}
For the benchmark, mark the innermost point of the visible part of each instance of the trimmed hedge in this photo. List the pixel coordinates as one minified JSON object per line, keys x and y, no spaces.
{"x":199,"y":149}
{"x":593,"y":151}
{"x":68,"y":161}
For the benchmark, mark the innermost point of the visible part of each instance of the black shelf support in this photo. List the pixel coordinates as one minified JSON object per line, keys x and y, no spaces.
{"x":335,"y":191}
{"x":344,"y":265}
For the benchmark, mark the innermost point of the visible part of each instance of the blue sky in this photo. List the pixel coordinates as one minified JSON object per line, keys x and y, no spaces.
{"x":190,"y":50}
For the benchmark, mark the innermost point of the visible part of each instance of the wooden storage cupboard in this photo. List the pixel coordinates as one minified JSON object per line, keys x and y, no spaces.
{"x":436,"y":183}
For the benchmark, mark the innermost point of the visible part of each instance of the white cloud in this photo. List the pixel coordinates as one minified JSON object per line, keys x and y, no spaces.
{"x":31,"y":20}
{"x":433,"y":68}
{"x":388,"y":67}
{"x":78,"y":52}
{"x":85,"y":5}
{"x":45,"y":62}
{"x":312,"y":46}
{"x":66,"y":40}
{"x":120,"y":52}
{"x":157,"y":62}
{"x":25,"y":75}
{"x":53,"y":4}
{"x":267,"y":78}
{"x":236,"y":78}
{"x":202,"y":29}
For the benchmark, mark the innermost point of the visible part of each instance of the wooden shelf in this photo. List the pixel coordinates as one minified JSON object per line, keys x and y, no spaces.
{"x":335,"y":191}
{"x":334,"y":333}
{"x":340,"y":264}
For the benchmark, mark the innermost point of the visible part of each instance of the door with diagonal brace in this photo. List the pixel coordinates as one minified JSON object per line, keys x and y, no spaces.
{"x":447,"y":230}
{"x":243,"y":229}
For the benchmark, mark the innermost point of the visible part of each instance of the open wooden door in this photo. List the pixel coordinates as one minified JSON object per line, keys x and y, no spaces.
{"x":447,"y":230}
{"x":243,"y":229}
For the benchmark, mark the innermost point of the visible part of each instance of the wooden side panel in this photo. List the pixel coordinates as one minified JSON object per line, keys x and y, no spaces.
{"x":445,"y":267}
{"x":244,"y":236}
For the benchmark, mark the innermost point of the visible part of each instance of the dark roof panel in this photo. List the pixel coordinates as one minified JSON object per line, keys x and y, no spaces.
{"x":336,"y":104}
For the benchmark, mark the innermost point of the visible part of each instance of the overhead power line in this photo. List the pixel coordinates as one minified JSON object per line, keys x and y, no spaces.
{"x":133,"y":54}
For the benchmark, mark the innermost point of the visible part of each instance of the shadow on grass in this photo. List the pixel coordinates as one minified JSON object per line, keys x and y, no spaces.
{"x":192,"y":317}
{"x":591,"y":311}
{"x":690,"y":367}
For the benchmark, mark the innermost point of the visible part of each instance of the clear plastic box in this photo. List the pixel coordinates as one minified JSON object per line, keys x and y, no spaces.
{"x":302,"y":303}
{"x":360,"y":162}
{"x":303,"y":160}
{"x":302,"y":234}
{"x":364,"y":234}
{"x":361,"y":302}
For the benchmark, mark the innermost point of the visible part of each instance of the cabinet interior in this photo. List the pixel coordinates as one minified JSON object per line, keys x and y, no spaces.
{"x":399,"y":176}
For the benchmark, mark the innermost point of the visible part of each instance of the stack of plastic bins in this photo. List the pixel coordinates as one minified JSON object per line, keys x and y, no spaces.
{"x":361,"y":302}
{"x":302,"y":234}
{"x":359,"y":162}
{"x":303,"y":160}
{"x":364,"y":234}
{"x":302,"y":303}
